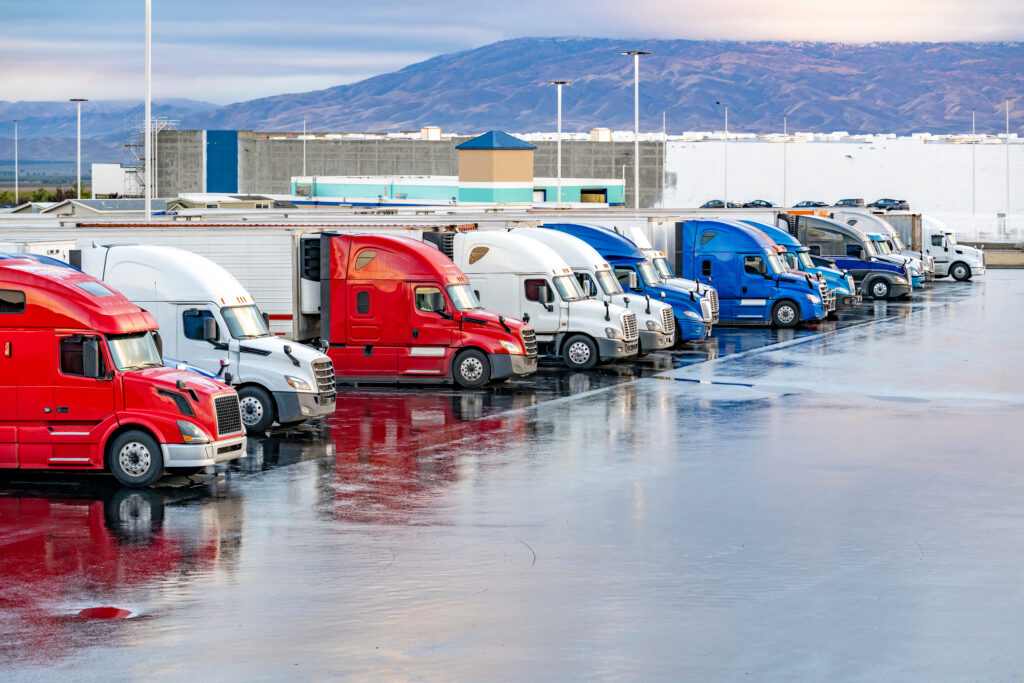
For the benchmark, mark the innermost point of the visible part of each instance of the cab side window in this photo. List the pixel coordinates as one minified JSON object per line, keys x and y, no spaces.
{"x":754,"y":265}
{"x":622,"y":274}
{"x":532,"y":290}
{"x":854,"y":250}
{"x":429,"y":300}
{"x":936,"y":242}
{"x":72,"y":356}
{"x":12,"y":301}
{"x":705,"y":268}
{"x":587,"y":284}
{"x":192,"y":323}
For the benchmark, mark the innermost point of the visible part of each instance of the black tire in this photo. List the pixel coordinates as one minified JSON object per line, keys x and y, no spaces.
{"x":257,"y":409}
{"x":134,"y":515}
{"x":960,"y":271}
{"x":580,"y":352}
{"x":786,"y":314}
{"x":471,"y":369}
{"x":135,"y":459}
{"x":879,"y":289}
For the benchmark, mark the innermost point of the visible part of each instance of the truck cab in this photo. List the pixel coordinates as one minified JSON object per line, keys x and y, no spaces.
{"x":743,"y":264}
{"x":395,"y":309}
{"x":889,"y":247}
{"x":522,"y":277}
{"x":851,"y":250}
{"x":277,"y":380}
{"x":83,"y":387}
{"x":656,"y":320}
{"x":797,"y":257}
{"x":638,"y":277}
{"x":951,"y":258}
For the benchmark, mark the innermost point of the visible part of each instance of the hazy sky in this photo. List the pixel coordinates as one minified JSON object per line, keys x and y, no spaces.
{"x":226,"y":50}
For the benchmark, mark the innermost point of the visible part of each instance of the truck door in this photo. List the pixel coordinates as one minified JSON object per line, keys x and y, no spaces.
{"x":431,"y":331}
{"x":377,"y":312}
{"x":755,"y":287}
{"x":538,"y":297}
{"x":80,"y":403}
{"x":8,"y":400}
{"x":938,"y":247}
{"x":34,"y":360}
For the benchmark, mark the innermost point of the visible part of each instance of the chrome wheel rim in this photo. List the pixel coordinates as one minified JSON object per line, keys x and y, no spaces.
{"x":959,"y":272}
{"x":579,"y":352}
{"x":135,"y":459}
{"x":880,"y":289}
{"x":786,"y":314}
{"x":472,"y":369}
{"x":252,"y":410}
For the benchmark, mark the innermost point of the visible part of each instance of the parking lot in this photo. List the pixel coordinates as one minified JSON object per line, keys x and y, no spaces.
{"x":840,"y":499}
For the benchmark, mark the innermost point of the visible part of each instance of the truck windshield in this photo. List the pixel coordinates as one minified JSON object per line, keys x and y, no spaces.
{"x":805,"y":261}
{"x":881,"y":247}
{"x":568,"y":288}
{"x":664,"y":269}
{"x":245,"y":322}
{"x":790,"y":260}
{"x":951,"y":238}
{"x":899,"y":243}
{"x":775,"y":263}
{"x":608,"y":282}
{"x":869,"y":250}
{"x":463,"y":298}
{"x":133,"y":351}
{"x":648,"y":274}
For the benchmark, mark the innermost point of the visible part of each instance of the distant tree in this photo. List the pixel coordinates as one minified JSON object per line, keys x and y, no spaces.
{"x":6,"y":198}
{"x":40,"y":195}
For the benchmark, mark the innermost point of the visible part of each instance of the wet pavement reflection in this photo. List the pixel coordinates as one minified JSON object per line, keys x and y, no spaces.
{"x":836,"y":501}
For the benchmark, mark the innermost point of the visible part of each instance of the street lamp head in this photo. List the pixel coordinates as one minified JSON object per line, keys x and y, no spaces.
{"x":721,"y":104}
{"x":559,"y":82}
{"x":635,"y":52}
{"x":78,"y":99}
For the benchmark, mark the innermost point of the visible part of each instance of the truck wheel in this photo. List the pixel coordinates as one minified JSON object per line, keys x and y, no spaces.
{"x":257,"y":409}
{"x":879,"y":289}
{"x":580,"y":352}
{"x":785,"y":314}
{"x":960,"y":271}
{"x":135,"y":459}
{"x":471,"y":369}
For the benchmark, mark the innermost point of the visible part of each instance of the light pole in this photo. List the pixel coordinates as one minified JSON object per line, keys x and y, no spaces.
{"x":558,"y":145}
{"x":148,"y":176}
{"x":79,"y":100}
{"x":785,"y":142}
{"x":725,"y":153}
{"x":1007,"y":164}
{"x":974,"y":192}
{"x":636,"y":124}
{"x":303,"y":147}
{"x":664,"y":153}
{"x":16,"y":162}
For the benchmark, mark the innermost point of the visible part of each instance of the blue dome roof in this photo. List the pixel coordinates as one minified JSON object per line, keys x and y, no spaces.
{"x":495,"y":139}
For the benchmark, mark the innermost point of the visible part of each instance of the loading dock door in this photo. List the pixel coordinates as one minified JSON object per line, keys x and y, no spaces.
{"x":594,"y":196}
{"x":540,"y":196}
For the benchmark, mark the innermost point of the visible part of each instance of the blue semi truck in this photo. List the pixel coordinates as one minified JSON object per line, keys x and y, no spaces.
{"x":754,"y":286}
{"x":798,"y":257}
{"x":638,"y":276}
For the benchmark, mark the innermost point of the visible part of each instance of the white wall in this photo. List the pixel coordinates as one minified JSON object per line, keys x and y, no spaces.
{"x":934,"y":177}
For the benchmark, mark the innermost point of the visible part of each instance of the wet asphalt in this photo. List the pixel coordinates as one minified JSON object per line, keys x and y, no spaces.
{"x":843,"y":501}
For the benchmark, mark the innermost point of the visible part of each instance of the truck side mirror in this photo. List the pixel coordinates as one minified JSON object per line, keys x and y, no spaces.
{"x":591,"y":288}
{"x":634,"y":282}
{"x":91,"y":358}
{"x":266,"y":320}
{"x":211,"y":331}
{"x":542,"y":295}
{"x":159,"y":341}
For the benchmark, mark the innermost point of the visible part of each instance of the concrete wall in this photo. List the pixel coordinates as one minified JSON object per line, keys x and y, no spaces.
{"x":179,"y":162}
{"x":586,"y":159}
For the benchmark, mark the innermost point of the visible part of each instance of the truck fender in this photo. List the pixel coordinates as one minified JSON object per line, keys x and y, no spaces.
{"x":141,"y":425}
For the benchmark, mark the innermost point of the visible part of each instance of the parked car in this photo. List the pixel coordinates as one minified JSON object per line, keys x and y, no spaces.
{"x":718,"y":204}
{"x":758,"y":204}
{"x":890,"y":205}
{"x":854,"y":203}
{"x":809,"y":205}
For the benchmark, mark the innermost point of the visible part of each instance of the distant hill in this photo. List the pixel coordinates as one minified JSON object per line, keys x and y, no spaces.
{"x":881,"y":87}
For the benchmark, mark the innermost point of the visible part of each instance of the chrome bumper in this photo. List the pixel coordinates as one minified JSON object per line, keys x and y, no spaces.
{"x":655,"y":341}
{"x":616,"y":348}
{"x":203,"y":454}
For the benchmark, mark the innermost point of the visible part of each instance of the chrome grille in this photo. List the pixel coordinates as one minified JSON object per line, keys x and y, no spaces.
{"x":828,"y":298}
{"x":705,"y":309}
{"x":529,"y":338}
{"x":668,"y":319}
{"x":323,"y":370}
{"x":629,"y":325}
{"x":712,"y":294}
{"x":229,"y":415}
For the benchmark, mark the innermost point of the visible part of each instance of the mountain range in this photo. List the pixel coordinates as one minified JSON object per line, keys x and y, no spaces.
{"x":860,"y":88}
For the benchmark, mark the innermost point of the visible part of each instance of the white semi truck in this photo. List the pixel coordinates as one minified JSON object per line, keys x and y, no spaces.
{"x":208,"y":319}
{"x":656,"y":320}
{"x":932,"y":238}
{"x":523,"y":278}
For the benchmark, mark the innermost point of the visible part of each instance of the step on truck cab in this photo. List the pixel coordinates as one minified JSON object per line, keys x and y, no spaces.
{"x":851,"y":250}
{"x":742,"y":263}
{"x":522,"y":277}
{"x":659,"y":260}
{"x":798,"y":258}
{"x":655,"y":318}
{"x":638,"y":277}
{"x":82,"y":385}
{"x":277,"y":380}
{"x":394,"y":309}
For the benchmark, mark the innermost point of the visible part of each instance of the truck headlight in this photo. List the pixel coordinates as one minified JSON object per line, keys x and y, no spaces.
{"x":511,"y":348}
{"x":191,"y":433}
{"x":692,"y":315}
{"x":297,"y":383}
{"x":612,"y":333}
{"x":814,"y":299}
{"x":900,"y":280}
{"x":653,"y":326}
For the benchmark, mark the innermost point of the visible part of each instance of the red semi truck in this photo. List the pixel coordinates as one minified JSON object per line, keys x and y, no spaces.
{"x":82,"y":385}
{"x":395,"y":309}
